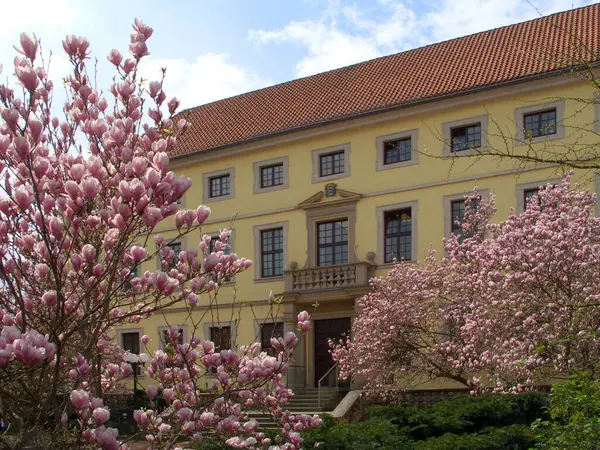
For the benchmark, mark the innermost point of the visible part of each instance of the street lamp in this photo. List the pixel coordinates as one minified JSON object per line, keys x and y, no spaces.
{"x":134,"y":360}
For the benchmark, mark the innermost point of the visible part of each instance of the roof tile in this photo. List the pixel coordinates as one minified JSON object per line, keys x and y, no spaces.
{"x":510,"y":53}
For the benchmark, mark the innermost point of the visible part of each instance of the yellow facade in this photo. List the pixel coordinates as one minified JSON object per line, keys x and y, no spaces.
{"x":361,"y":196}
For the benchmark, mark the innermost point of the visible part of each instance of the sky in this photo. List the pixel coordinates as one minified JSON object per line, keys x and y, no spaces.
{"x":214,"y":49}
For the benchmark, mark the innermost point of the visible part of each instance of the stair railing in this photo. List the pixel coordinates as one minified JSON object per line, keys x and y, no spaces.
{"x":333,"y":370}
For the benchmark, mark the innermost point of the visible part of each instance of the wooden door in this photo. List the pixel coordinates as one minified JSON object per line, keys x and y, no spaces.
{"x":325,"y":330}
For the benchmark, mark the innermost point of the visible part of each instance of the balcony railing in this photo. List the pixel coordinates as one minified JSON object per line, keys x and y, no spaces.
{"x":328,"y":277}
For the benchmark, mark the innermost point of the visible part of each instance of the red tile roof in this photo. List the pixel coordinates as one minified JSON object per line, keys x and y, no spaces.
{"x":530,"y":49}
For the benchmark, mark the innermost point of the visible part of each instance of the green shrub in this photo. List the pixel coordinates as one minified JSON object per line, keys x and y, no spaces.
{"x":463,"y":414}
{"x":511,"y":437}
{"x":487,"y":422}
{"x":210,"y":444}
{"x":372,"y":434}
{"x":574,"y":421}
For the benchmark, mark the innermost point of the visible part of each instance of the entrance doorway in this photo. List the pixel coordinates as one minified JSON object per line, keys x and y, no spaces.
{"x":324,"y":330}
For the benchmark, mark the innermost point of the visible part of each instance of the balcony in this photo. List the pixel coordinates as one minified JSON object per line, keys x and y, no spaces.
{"x":328,"y":277}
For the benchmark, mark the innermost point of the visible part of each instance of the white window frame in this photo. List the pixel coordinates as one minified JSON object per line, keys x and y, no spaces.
{"x":380,"y":211}
{"x":258,"y":278}
{"x":414,"y":154}
{"x":259,"y":165}
{"x":447,"y":128}
{"x":559,"y":105}
{"x":316,"y":163}
{"x":206,"y":177}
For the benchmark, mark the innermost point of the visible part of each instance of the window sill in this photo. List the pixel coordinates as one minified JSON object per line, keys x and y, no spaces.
{"x":448,"y":154}
{"x":337,"y":176}
{"x":218,"y":199}
{"x":539,"y":139}
{"x":271,"y":189}
{"x":390,"y":265}
{"x":397,"y":165}
{"x":269,"y":279}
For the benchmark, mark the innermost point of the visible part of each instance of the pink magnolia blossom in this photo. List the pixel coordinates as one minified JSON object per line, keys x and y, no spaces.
{"x":510,"y":301}
{"x":80,"y":399}
{"x":101,"y":415}
{"x":81,"y":193}
{"x":29,"y":46}
{"x":152,"y":391}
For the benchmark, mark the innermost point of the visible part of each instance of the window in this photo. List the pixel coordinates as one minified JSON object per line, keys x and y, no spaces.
{"x":466,"y":137}
{"x":454,"y":213}
{"x":525,"y":191}
{"x":396,"y":232}
{"x":331,"y":164}
{"x":527,"y":194}
{"x":270,"y":251}
{"x":540,"y":123}
{"x":176,"y":247}
{"x":397,"y":151}
{"x":219,"y":186}
{"x":332,"y":243}
{"x":457,"y":208}
{"x":398,"y":235}
{"x":164,"y":337}
{"x":221,"y":337}
{"x":130,"y":341}
{"x":271,"y":244}
{"x":213,"y":249}
{"x":271,"y":176}
{"x":267,"y":332}
{"x":134,"y":273}
{"x":226,"y":251}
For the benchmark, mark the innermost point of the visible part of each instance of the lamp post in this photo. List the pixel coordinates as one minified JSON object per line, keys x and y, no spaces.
{"x":134,"y":360}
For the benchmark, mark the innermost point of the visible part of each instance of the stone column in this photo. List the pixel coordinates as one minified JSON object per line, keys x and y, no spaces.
{"x":297,"y":372}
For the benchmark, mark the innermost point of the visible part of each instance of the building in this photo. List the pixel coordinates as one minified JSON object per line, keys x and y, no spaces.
{"x":327,"y":179}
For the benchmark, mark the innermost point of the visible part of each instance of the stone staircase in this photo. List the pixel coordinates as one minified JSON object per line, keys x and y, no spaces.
{"x":304,"y":401}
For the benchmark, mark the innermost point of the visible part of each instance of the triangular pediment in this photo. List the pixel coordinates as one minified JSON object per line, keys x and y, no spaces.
{"x":329,"y":197}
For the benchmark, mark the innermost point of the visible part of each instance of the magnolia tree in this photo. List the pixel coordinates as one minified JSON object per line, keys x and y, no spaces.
{"x":510,"y":304}
{"x":82,"y":196}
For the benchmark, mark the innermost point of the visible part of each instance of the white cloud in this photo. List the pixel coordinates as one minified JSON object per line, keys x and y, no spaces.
{"x":459,"y":18}
{"x":210,"y":77}
{"x":49,"y":20}
{"x":346,"y":35}
{"x":327,"y":46}
{"x":36,"y":15}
